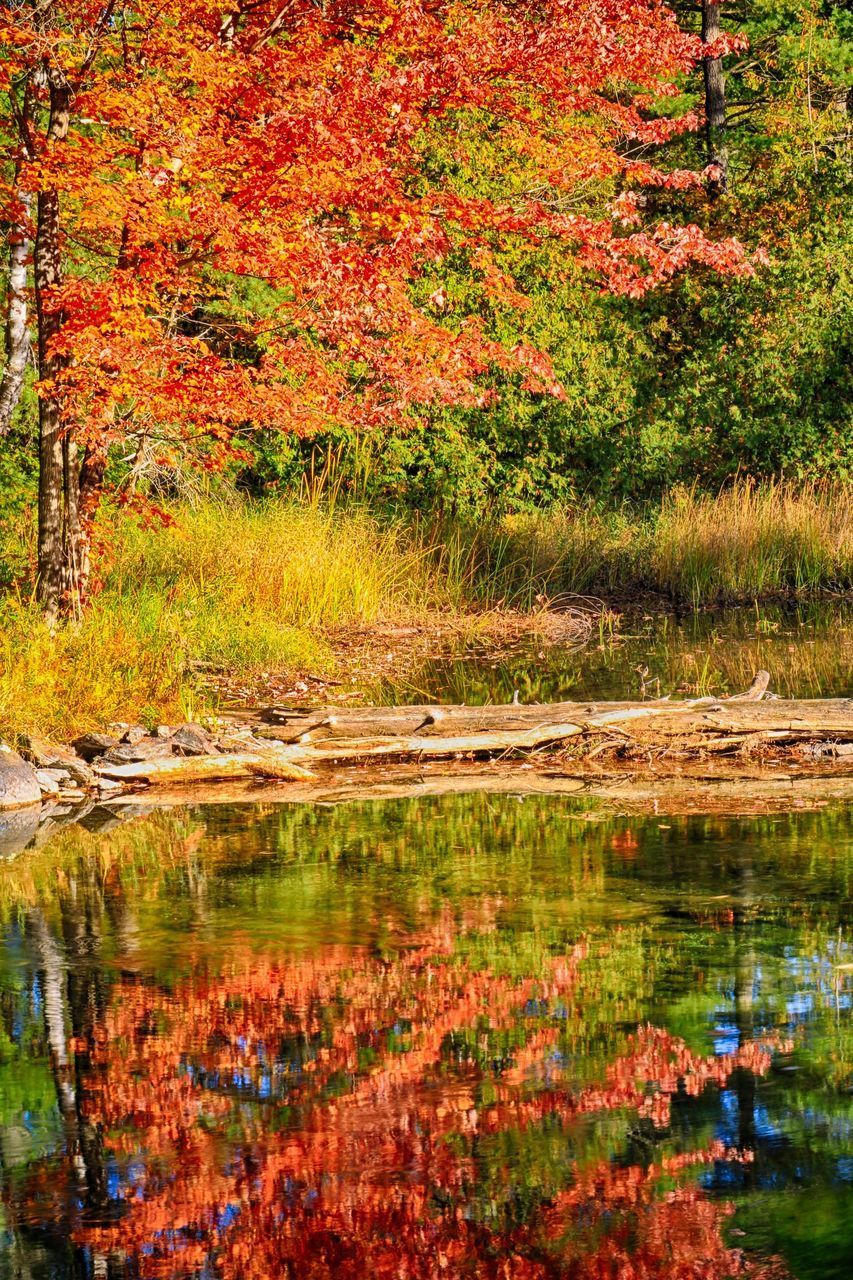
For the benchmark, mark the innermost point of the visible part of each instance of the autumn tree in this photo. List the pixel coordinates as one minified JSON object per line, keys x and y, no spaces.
{"x":231,"y":208}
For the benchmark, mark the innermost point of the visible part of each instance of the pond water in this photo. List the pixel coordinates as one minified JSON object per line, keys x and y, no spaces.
{"x":471,"y":1036}
{"x":808,"y":650}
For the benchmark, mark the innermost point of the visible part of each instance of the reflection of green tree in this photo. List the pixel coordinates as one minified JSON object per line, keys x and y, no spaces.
{"x":26,"y":1086}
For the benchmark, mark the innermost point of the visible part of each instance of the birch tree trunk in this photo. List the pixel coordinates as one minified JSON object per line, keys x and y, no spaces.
{"x":17,"y":329}
{"x":715,"y":104}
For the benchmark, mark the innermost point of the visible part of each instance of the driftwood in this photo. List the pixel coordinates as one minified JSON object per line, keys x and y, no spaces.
{"x":187,"y":769}
{"x":298,"y":739}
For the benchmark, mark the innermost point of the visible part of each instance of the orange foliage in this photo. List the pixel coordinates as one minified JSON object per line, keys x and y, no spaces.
{"x":289,"y":144}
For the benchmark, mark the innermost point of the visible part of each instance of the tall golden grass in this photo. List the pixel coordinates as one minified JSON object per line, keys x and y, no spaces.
{"x":745,"y":543}
{"x":227,"y":586}
{"x":248,"y":588}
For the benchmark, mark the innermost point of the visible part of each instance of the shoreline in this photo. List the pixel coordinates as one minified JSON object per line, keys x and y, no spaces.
{"x":718,"y":792}
{"x":693,"y":755}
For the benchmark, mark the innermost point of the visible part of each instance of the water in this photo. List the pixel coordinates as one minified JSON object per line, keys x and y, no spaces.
{"x":474,"y":1036}
{"x":808,"y":650}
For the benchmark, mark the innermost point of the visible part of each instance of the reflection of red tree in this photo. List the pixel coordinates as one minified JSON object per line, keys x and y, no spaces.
{"x":378,"y":1174}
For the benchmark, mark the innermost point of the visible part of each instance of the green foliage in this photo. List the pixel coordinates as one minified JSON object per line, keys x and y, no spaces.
{"x":702,"y":380}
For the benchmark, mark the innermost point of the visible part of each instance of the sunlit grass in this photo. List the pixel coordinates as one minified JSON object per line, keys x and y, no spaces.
{"x":750,"y":541}
{"x":744,"y":543}
{"x":243,"y":588}
{"x":228,"y":587}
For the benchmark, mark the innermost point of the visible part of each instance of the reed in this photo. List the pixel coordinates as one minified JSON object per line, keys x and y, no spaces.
{"x":249,"y":588}
{"x":746,"y":543}
{"x":749,"y":542}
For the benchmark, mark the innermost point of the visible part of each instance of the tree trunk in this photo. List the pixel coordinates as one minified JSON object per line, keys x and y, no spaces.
{"x":715,"y":104}
{"x":17,"y":330}
{"x":58,"y":464}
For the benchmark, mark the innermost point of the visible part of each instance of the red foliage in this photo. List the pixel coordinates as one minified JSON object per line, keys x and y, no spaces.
{"x":289,"y":145}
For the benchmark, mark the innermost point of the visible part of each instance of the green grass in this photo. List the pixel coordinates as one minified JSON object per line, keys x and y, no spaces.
{"x":247,"y":588}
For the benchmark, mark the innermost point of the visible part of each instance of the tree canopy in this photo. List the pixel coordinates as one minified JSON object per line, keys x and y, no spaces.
{"x":244,"y":218}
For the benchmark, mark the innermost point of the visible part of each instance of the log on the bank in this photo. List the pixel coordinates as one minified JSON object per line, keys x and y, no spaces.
{"x":691,"y":727}
{"x":493,"y":741}
{"x":333,"y":733}
{"x":295,"y":725}
{"x":208,"y":769}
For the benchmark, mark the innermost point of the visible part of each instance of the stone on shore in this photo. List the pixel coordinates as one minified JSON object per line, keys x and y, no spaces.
{"x":47,"y":755}
{"x":19,"y":786}
{"x":134,"y":734}
{"x":132,"y":753}
{"x":92,"y":745}
{"x":191,"y":740}
{"x":49,"y":783}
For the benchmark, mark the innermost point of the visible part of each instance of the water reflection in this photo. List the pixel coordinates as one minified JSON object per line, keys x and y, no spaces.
{"x":808,"y":650}
{"x":476,"y":1036}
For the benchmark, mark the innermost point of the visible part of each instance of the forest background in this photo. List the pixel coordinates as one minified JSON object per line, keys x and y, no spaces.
{"x":710,"y":380}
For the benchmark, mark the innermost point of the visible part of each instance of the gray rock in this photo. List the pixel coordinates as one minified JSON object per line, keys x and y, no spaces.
{"x":49,"y":782}
{"x":191,"y":740}
{"x":135,"y":734}
{"x":47,"y":755}
{"x":148,"y":749}
{"x":19,"y":785}
{"x":92,"y":745}
{"x":163,"y":731}
{"x":73,"y":795}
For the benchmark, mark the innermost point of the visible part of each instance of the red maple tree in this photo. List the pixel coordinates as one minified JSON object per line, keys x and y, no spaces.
{"x":170,"y":156}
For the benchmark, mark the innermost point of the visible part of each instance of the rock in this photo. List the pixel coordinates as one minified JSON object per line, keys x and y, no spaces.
{"x":39,"y":751}
{"x":57,"y":784}
{"x":92,"y":745}
{"x":19,"y":785}
{"x":79,"y":772}
{"x":47,"y":755}
{"x":147,"y":749}
{"x":108,"y":787}
{"x":163,"y":731}
{"x":49,"y":782}
{"x":134,"y":734}
{"x":191,"y":740}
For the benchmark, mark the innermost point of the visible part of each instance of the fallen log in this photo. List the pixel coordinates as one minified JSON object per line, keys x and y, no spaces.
{"x":186,"y":769}
{"x":295,"y":725}
{"x":694,"y":727}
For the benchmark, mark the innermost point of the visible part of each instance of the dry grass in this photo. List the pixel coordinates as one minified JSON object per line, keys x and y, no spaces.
{"x":248,"y":589}
{"x":226,"y":587}
{"x":743,"y":544}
